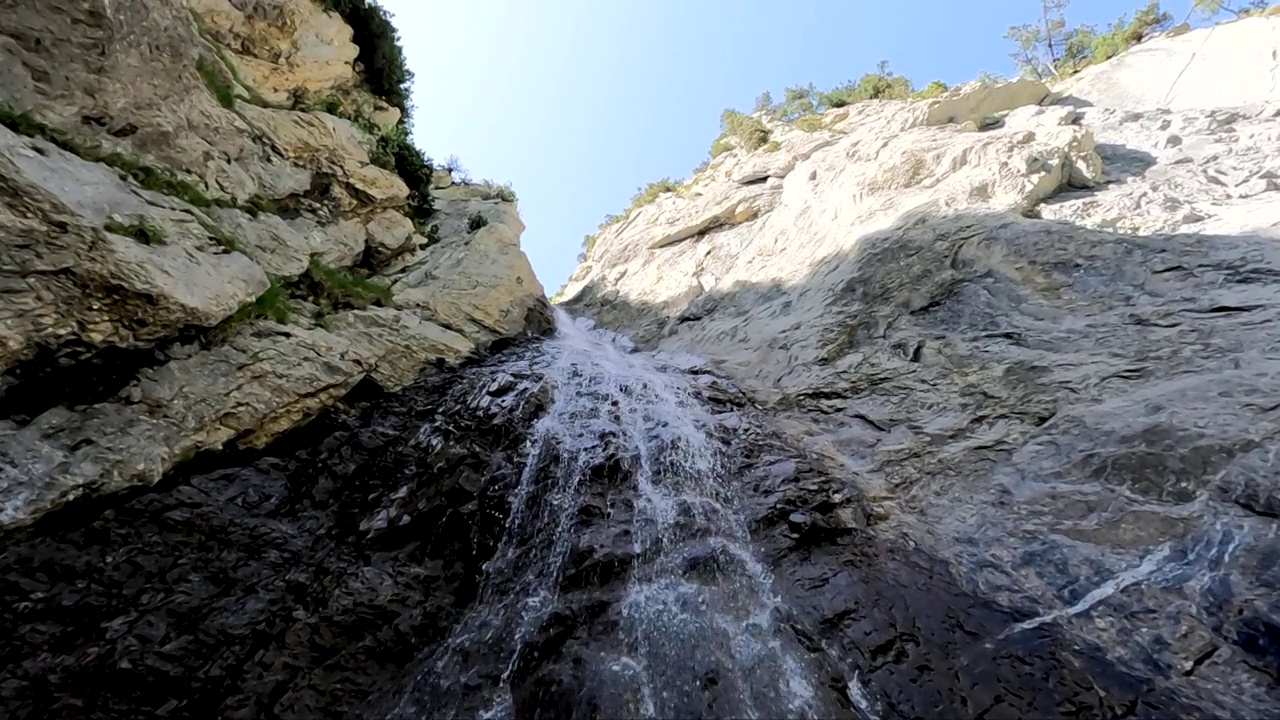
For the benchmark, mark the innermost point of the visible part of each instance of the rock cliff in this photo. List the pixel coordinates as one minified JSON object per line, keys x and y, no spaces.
{"x":1037,"y":324}
{"x":212,"y":226}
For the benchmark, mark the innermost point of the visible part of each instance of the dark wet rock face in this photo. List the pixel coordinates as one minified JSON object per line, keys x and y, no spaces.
{"x":289,"y":586}
{"x":325,"y":576}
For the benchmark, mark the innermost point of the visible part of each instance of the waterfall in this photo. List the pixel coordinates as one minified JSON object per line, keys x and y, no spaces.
{"x":696,"y":631}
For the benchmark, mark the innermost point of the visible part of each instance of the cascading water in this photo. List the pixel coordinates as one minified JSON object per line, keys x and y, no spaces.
{"x":697,"y":634}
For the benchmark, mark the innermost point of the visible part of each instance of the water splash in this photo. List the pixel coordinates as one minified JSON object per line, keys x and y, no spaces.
{"x":698,"y":634}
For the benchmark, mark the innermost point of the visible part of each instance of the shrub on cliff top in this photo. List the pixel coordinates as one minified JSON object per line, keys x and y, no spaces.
{"x":1049,"y":47}
{"x":381,"y":59}
{"x":397,"y":153}
{"x":749,"y":130}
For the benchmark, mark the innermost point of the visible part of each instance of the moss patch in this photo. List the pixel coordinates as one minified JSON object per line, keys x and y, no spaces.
{"x":141,"y":229}
{"x":341,"y":288}
{"x":216,"y":80}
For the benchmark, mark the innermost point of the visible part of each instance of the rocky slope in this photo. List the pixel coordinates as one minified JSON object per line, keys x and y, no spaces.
{"x":203,"y":239}
{"x":1038,"y":327}
{"x":320,"y":577}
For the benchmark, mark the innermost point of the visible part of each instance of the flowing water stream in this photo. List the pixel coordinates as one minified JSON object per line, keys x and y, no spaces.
{"x":698,"y":633}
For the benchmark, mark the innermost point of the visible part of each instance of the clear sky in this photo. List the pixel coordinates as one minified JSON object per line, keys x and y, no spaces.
{"x":577,"y":103}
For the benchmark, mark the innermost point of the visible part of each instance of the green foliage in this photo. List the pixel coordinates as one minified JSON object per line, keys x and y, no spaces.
{"x":764,"y":104}
{"x":386,"y":74}
{"x":161,"y":180}
{"x":807,"y":123}
{"x":802,"y":105}
{"x":772,"y":146}
{"x":883,"y":84}
{"x":26,"y":124}
{"x":223,"y":238}
{"x":1210,"y":8}
{"x":153,"y":178}
{"x":649,"y":193}
{"x":272,"y":304}
{"x":254,"y":96}
{"x":475,"y":221}
{"x":339,"y":288}
{"x":1051,"y":48}
{"x":215,"y":78}
{"x":749,"y":131}
{"x":432,"y":235}
{"x":720,"y":146}
{"x":643,"y":196}
{"x":797,"y":101}
{"x":381,"y":58}
{"x":141,"y":229}
{"x":259,"y":204}
{"x":496,"y":191}
{"x":397,"y":153}
{"x":588,"y":244}
{"x":932,"y":90}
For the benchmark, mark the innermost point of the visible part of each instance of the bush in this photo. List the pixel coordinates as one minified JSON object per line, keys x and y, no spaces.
{"x":649,"y":193}
{"x":932,"y":90}
{"x":588,"y":244}
{"x":749,"y":131}
{"x":720,"y":146}
{"x":1050,"y":48}
{"x":883,"y":84}
{"x":643,"y":196}
{"x":381,"y":59}
{"x":397,"y":153}
{"x":496,"y":191}
{"x":476,"y":221}
{"x":772,"y":146}
{"x":807,"y":123}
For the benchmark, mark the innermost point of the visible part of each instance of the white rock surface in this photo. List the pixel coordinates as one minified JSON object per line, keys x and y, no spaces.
{"x":1049,"y":349}
{"x":1222,"y":66}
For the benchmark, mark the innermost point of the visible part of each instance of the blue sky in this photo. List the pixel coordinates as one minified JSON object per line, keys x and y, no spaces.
{"x":577,"y":103}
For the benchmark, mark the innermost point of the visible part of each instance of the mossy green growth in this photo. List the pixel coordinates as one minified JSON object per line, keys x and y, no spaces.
{"x":255,"y":97}
{"x":224,"y":238}
{"x":141,"y":229}
{"x":809,"y":123}
{"x":160,"y":180}
{"x":772,"y":146}
{"x":340,"y":288}
{"x":396,"y":152}
{"x":720,"y":146}
{"x":476,"y":221}
{"x":215,"y":77}
{"x":256,"y":205}
{"x":272,"y":304}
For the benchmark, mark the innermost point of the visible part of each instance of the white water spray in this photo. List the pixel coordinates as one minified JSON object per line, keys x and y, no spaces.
{"x":698,"y":634}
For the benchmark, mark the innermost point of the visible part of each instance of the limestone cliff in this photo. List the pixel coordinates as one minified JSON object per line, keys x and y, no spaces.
{"x":205,"y":237}
{"x":1039,"y":325}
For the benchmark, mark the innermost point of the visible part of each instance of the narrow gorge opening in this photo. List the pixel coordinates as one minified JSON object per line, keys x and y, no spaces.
{"x":684,"y":619}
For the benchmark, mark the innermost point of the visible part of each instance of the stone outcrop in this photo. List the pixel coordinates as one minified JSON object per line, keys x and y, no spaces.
{"x":196,"y":250}
{"x":1037,"y":328}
